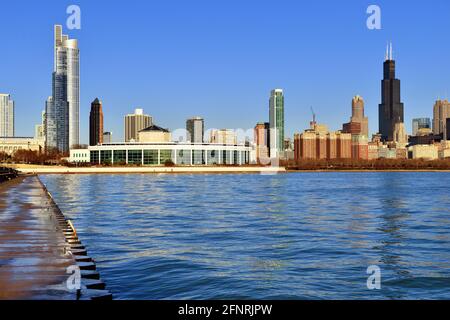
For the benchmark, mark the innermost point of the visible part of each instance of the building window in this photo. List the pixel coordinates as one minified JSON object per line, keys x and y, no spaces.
{"x":199,"y":158}
{"x":165,"y":156}
{"x":106,"y":157}
{"x":213,"y":157}
{"x":184,"y":157}
{"x":120,"y":156}
{"x":135,"y":156}
{"x":151,"y":157}
{"x":224,"y":157}
{"x":95,"y":157}
{"x":229,"y":157}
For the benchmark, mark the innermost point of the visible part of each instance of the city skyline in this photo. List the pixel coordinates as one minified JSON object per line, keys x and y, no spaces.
{"x":252,"y":108}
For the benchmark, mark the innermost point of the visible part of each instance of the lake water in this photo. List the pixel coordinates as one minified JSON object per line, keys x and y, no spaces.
{"x":287,"y":236}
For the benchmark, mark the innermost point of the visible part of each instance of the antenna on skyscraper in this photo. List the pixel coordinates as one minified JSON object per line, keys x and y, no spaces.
{"x":387,"y":52}
{"x":314,"y":115}
{"x":390,"y":53}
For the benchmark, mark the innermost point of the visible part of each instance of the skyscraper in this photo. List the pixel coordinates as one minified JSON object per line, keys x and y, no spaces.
{"x":96,"y":123}
{"x":195,"y":128}
{"x":447,"y":129}
{"x":441,"y":111}
{"x":262,"y":141}
{"x":359,"y":124}
{"x":358,"y":115}
{"x":107,"y":137}
{"x":400,"y":135}
{"x":276,"y":121}
{"x":64,"y":107}
{"x":50,"y":127}
{"x":420,"y":123}
{"x":318,"y":143}
{"x":6,"y":116}
{"x":39,"y":131}
{"x":135,"y":123}
{"x":391,"y":107}
{"x":223,"y":136}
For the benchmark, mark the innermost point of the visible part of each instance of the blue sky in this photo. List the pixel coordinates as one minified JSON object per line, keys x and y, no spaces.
{"x":220,"y":59}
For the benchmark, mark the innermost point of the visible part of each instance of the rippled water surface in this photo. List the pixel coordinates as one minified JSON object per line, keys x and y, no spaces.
{"x":290,"y":236}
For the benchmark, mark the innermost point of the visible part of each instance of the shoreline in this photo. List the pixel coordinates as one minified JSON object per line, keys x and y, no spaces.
{"x":35,"y":169}
{"x":368,"y":171}
{"x":151,"y":170}
{"x":37,"y":246}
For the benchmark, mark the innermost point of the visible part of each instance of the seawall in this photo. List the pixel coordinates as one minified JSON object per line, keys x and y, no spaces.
{"x":38,"y":245}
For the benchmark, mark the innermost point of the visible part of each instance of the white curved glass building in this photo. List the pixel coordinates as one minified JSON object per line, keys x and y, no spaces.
{"x":154,"y":154}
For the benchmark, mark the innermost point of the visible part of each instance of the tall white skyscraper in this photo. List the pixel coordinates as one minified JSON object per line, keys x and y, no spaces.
{"x":63,"y":109}
{"x":276,"y":123}
{"x":6,"y":116}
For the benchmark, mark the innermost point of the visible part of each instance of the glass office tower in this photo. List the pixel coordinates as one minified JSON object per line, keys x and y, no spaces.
{"x":276,"y":120}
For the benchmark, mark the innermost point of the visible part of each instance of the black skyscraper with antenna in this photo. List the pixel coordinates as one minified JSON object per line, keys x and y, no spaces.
{"x":391,"y":107}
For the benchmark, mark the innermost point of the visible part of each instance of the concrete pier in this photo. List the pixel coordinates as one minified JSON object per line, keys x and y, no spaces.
{"x":37,"y":245}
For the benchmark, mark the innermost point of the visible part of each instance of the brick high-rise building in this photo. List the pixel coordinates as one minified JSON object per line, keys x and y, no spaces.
{"x":359,"y":124}
{"x":262,"y":142}
{"x":96,"y":123}
{"x":360,"y":147}
{"x":316,"y":144}
{"x":321,"y":145}
{"x":441,"y":111}
{"x":332,"y":145}
{"x":344,"y":146}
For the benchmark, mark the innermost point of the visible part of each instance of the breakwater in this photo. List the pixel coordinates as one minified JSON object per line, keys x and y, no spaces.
{"x":40,"y":251}
{"x":92,"y":287}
